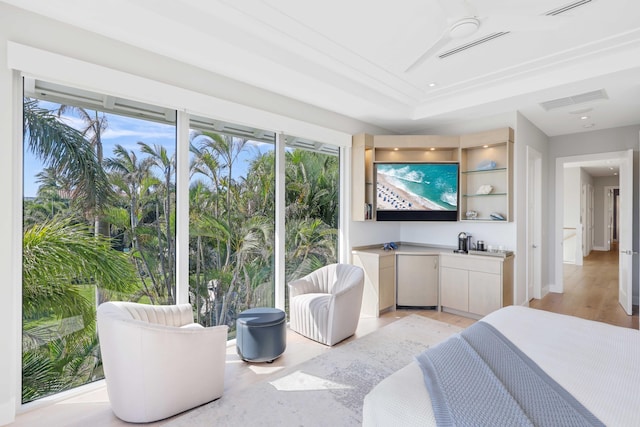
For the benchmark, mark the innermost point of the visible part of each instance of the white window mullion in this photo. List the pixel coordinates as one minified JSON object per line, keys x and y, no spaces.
{"x":182,"y":208}
{"x":344,"y":210}
{"x":280,"y":207}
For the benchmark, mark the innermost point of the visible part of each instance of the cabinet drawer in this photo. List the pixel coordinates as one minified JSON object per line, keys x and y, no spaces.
{"x":472,"y":263}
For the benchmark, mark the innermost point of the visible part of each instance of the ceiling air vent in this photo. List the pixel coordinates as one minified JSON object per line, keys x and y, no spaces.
{"x":567,"y":7}
{"x":471,"y":44}
{"x":575,"y":99}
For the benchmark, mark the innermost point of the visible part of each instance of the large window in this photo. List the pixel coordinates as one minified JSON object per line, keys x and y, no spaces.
{"x":312,"y":208}
{"x":100,"y":218}
{"x":98,"y":225}
{"x":231,"y":221}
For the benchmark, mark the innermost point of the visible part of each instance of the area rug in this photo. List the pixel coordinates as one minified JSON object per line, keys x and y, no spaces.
{"x":328,"y":389}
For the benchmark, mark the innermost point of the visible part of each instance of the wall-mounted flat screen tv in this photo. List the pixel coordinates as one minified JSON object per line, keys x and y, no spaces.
{"x":416,"y":191}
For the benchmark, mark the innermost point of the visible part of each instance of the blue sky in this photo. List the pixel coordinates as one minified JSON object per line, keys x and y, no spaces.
{"x":124,"y":131}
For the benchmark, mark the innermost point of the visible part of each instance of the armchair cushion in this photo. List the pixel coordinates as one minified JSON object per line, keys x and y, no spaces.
{"x":156,"y":363}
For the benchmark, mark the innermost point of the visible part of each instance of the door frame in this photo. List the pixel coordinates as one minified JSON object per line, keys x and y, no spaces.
{"x":534,"y":225}
{"x":615,"y":158}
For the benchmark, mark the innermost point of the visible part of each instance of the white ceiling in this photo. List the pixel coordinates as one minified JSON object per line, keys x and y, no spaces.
{"x":351,"y":56}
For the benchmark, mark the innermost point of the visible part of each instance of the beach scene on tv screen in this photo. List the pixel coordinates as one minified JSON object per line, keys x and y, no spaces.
{"x":417,"y":186}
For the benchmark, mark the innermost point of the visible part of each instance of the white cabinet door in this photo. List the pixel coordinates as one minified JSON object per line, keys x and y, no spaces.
{"x":454,"y":288}
{"x":484,"y":292}
{"x":417,"y":280}
{"x":387,"y":288}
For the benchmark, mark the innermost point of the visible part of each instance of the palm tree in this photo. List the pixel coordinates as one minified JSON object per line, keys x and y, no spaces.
{"x":160,"y":158}
{"x":132,"y":177}
{"x":59,"y":254}
{"x":61,"y":257}
{"x":226,"y":149}
{"x":94,"y":126}
{"x":66,"y":151}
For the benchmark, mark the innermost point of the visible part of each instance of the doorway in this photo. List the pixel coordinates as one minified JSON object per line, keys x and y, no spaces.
{"x":623,"y":160}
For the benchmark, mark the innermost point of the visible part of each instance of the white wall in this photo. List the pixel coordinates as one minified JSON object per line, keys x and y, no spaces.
{"x":446,"y":233}
{"x":365,"y":233}
{"x":594,"y":142}
{"x":528,"y":135}
{"x":586,"y":183}
{"x":191,"y":89}
{"x":9,"y":313}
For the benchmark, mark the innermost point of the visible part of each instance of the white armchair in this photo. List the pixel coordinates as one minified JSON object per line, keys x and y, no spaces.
{"x":325,"y":304}
{"x":156,"y":361}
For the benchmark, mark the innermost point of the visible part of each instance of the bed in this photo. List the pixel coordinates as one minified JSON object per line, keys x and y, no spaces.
{"x":596,"y":363}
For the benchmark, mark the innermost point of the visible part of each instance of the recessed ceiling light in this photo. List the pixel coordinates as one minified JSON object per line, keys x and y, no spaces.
{"x":584,"y":117}
{"x":432,"y":149}
{"x":485,"y":146}
{"x":433,"y":84}
{"x":395,"y":149}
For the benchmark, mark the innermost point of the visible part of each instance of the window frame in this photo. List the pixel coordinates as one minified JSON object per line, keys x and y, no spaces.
{"x":26,"y":61}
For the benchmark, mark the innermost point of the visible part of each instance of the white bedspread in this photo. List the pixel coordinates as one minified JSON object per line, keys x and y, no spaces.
{"x":598,"y":364}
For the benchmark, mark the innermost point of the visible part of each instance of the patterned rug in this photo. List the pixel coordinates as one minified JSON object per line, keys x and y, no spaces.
{"x":328,"y":389}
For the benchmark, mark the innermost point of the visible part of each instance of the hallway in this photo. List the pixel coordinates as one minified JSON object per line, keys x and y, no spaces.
{"x":591,"y":291}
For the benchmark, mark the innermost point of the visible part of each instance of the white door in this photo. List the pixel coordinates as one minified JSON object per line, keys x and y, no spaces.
{"x":584,"y":224}
{"x":626,"y":236}
{"x":590,"y":207}
{"x":534,"y":223}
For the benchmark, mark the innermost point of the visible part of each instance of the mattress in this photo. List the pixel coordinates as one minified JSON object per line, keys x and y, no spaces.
{"x":599,"y":364}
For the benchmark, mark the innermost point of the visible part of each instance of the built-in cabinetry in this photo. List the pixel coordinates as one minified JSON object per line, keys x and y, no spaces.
{"x":368,"y":149}
{"x":475,"y":285}
{"x":379,"y":280}
{"x":428,"y":276}
{"x":485,"y":159}
{"x":486,"y":176}
{"x":362,"y":177}
{"x":416,"y":280}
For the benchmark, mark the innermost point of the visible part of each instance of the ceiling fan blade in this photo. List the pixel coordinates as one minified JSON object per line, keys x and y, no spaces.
{"x":441,"y":42}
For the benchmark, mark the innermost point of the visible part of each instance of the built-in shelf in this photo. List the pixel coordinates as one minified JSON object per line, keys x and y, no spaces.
{"x":484,"y":195}
{"x":493,"y":148}
{"x":472,"y":151}
{"x":485,"y":170}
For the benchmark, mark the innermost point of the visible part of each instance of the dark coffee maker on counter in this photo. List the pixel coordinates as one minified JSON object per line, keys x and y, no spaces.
{"x":464,"y":242}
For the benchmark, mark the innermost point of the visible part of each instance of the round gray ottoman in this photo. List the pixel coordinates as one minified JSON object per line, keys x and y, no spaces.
{"x":261,"y":334}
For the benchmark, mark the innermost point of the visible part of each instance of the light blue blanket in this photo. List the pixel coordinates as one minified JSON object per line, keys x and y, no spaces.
{"x":480,"y":378}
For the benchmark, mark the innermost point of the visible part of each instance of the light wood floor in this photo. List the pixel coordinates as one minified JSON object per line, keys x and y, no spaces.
{"x":591,"y":291}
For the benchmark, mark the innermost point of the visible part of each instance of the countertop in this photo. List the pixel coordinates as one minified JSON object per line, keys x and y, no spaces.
{"x":421,"y":249}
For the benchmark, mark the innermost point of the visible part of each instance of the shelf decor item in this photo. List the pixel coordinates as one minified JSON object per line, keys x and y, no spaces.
{"x":496,"y":216}
{"x":484,"y":189}
{"x":486,"y":165}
